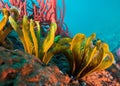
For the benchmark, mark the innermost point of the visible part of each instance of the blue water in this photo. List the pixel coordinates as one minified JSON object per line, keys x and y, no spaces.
{"x":93,"y":16}
{"x":88,"y":16}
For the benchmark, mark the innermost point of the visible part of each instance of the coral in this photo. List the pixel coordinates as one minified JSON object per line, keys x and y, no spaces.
{"x":44,"y":11}
{"x":3,"y":4}
{"x":85,"y":58}
{"x":32,"y":41}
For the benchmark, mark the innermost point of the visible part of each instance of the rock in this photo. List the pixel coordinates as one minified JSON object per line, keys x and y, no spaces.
{"x":100,"y":78}
{"x":20,"y":69}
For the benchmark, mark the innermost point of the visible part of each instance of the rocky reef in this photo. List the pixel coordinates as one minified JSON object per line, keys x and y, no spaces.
{"x":20,"y":69}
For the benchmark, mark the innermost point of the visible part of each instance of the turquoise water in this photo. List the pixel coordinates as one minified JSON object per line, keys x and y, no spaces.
{"x":99,"y":16}
{"x":88,"y":16}
{"x":93,"y":16}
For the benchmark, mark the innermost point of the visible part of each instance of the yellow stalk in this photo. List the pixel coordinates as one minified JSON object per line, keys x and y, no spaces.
{"x":48,"y":57}
{"x":18,"y":30}
{"x":103,"y":61}
{"x":49,"y":40}
{"x":16,"y":13}
{"x":3,"y":22}
{"x":4,"y":33}
{"x":50,"y":37}
{"x":34,"y":39}
{"x":65,"y":40}
{"x":107,"y":62}
{"x":5,"y":18}
{"x":26,"y":35}
{"x":108,"y":58}
{"x":56,"y":48}
{"x":89,"y":40}
{"x":87,"y":60}
{"x":75,"y":49}
{"x":38,"y":34}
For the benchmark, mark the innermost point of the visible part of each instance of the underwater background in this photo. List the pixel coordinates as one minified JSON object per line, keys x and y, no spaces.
{"x":88,"y":16}
{"x":92,"y":16}
{"x":77,"y":34}
{"x":99,"y":16}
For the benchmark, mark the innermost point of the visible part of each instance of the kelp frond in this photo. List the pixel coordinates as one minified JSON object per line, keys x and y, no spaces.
{"x":59,"y":46}
{"x":34,"y":38}
{"x":5,"y":27}
{"x":47,"y":43}
{"x":4,"y":19}
{"x":31,"y":39}
{"x":26,"y":34}
{"x":85,"y":58}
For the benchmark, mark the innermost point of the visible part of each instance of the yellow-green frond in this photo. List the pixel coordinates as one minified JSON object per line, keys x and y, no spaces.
{"x":49,"y":40}
{"x":87,"y":57}
{"x":50,"y":37}
{"x":89,"y":40}
{"x":26,"y":35}
{"x":16,"y":27}
{"x":5,"y":18}
{"x":15,"y":13}
{"x":38,"y":35}
{"x":75,"y":48}
{"x":34,"y":38}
